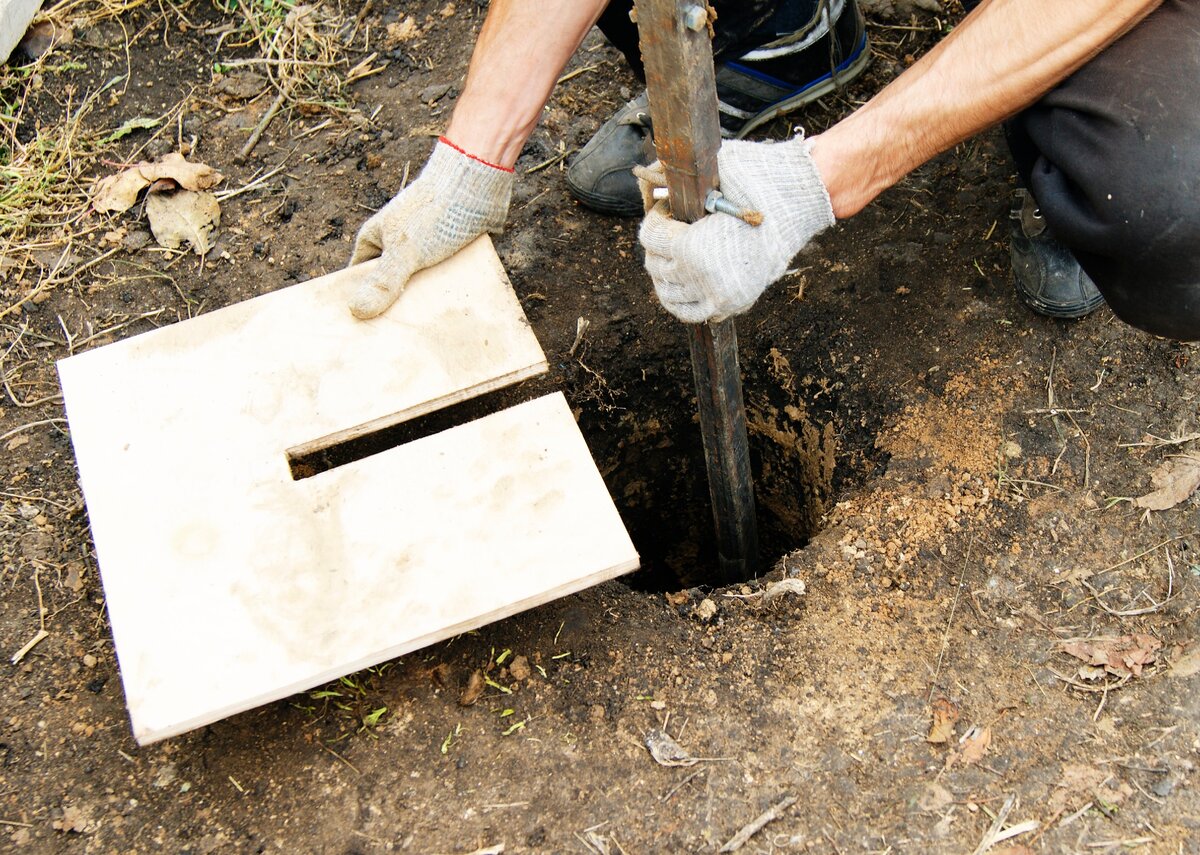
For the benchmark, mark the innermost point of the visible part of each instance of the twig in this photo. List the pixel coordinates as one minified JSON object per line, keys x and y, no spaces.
{"x":340,"y":757}
{"x":998,"y":833}
{"x":577,"y":72}
{"x":681,"y":785}
{"x":545,"y":163}
{"x":1075,"y":684}
{"x":257,"y":182}
{"x":120,"y":326}
{"x":755,"y":826}
{"x":1151,"y":549}
{"x":41,"y":633}
{"x":1087,"y":451}
{"x":272,"y":61}
{"x":17,"y":430}
{"x":950,"y":620}
{"x":41,"y":636}
{"x":1096,"y":595}
{"x":1158,"y":442}
{"x":262,"y":126}
{"x":1070,"y":819}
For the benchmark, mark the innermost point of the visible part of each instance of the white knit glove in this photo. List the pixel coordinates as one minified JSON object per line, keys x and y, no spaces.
{"x":454,"y":200}
{"x":719,"y":265}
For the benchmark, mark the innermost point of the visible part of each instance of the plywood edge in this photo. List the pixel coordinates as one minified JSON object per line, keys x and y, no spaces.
{"x":424,"y":408}
{"x":149,"y":735}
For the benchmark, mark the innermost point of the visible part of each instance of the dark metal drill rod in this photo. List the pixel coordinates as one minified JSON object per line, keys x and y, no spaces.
{"x":677,"y":52}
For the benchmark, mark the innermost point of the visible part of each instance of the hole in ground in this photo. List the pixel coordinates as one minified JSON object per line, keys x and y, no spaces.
{"x":651,"y":456}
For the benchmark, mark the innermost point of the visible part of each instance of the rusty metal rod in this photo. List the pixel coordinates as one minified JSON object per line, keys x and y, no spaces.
{"x":677,"y":52}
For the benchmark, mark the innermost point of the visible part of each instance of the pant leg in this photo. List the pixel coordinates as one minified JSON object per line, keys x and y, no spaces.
{"x":740,"y":26}
{"x":1112,"y":156}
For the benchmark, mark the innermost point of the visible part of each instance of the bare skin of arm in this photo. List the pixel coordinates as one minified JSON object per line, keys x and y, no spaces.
{"x":999,"y":60}
{"x":519,"y":55}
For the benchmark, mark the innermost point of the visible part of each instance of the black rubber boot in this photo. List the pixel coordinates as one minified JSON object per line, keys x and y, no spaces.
{"x":1047,"y":276}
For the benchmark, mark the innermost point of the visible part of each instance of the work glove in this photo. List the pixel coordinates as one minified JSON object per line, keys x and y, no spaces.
{"x":454,"y":200}
{"x":718,"y":266}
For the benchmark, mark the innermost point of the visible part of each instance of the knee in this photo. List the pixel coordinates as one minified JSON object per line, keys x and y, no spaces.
{"x":1132,"y":217}
{"x":1146,"y":206}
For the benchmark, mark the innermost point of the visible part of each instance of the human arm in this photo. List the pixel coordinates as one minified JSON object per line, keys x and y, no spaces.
{"x":464,"y":189}
{"x":1001,"y":58}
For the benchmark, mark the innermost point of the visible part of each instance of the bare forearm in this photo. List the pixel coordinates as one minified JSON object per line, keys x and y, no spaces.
{"x":1002,"y":58}
{"x":521,"y":50}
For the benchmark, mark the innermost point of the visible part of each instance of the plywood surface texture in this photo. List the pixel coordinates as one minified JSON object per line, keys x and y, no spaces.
{"x":229,"y":584}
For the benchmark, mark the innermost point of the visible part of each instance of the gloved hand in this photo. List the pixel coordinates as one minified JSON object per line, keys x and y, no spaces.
{"x":454,"y":200}
{"x":719,"y":265}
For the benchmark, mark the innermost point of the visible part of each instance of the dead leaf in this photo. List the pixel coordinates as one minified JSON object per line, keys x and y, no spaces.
{"x":74,"y":579}
{"x":16,"y":442}
{"x":183,"y":216}
{"x":1176,"y":478}
{"x":945,"y":715}
{"x":120,"y":192}
{"x":1119,"y":656}
{"x":974,"y":744}
{"x":475,"y":687}
{"x":1187,"y":665}
{"x":676,"y":599}
{"x":666,"y":751}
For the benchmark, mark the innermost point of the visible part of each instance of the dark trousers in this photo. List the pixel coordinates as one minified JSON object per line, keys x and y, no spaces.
{"x":1112,"y":154}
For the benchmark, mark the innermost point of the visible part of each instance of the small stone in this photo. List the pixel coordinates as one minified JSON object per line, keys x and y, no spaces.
{"x":136,"y":240}
{"x":886,"y":582}
{"x":435,"y":92}
{"x":1011,"y":450}
{"x":89,"y":660}
{"x":519,"y":668}
{"x":707,"y":610}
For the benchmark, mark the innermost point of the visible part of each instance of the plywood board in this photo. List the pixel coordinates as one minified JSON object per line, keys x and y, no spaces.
{"x":293,"y":368}
{"x":15,"y":16}
{"x":229,"y":584}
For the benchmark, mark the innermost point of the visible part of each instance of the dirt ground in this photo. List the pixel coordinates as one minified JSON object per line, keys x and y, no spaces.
{"x":949,"y":475}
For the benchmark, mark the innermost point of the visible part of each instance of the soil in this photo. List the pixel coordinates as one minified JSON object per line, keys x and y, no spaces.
{"x":946,"y":473}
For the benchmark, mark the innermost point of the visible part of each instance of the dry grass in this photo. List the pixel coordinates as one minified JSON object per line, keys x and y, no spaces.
{"x":53,"y":136}
{"x":45,"y":156}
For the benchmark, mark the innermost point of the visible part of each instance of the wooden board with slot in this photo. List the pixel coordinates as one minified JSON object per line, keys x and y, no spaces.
{"x":230,"y":584}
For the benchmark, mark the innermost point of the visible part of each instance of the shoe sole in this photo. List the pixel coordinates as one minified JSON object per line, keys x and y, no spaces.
{"x":845,"y":73}
{"x":1057,"y":310}
{"x":604,"y":204}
